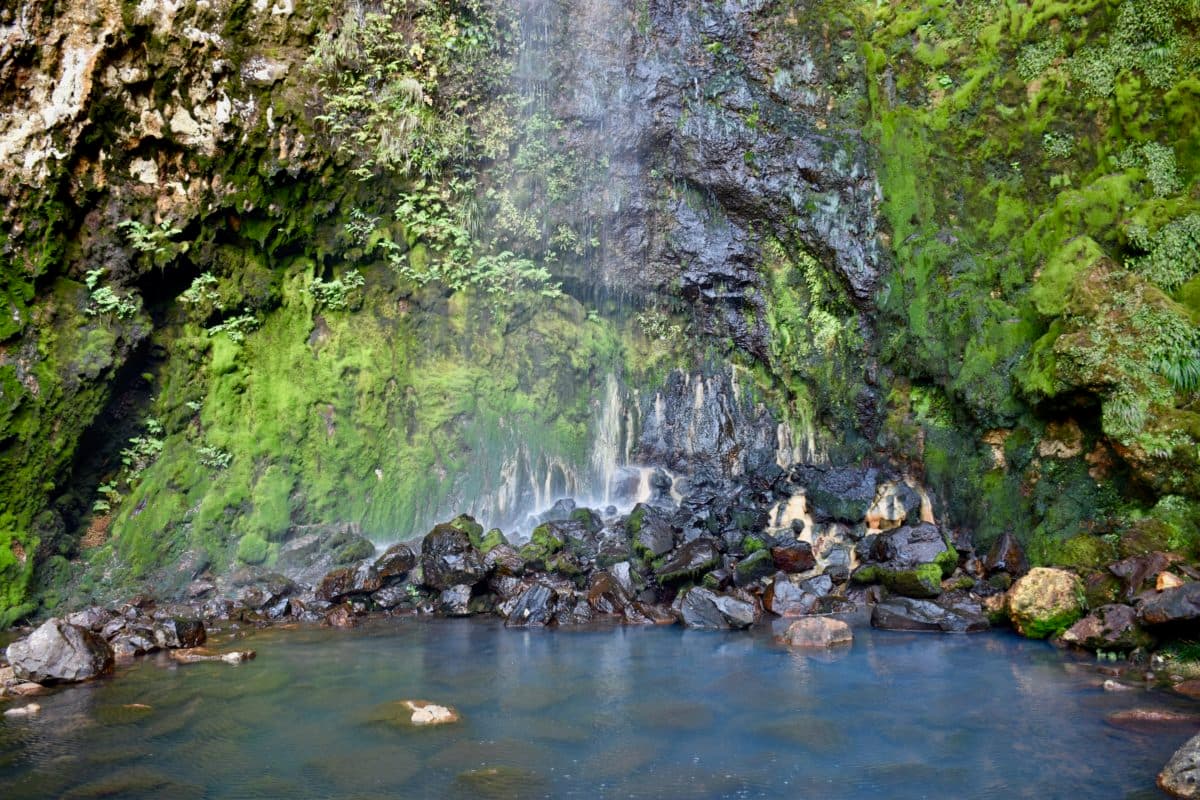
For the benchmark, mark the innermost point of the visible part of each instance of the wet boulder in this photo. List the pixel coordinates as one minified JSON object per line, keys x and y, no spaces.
{"x":1045,"y":602}
{"x":545,"y":540}
{"x":816,"y":632}
{"x":59,"y":652}
{"x":640,"y":613}
{"x":1172,"y":606}
{"x":174,"y":633}
{"x":1112,"y":627}
{"x":910,"y":560}
{"x":1135,"y":571}
{"x":788,"y":599}
{"x":535,"y":607}
{"x":689,"y":560}
{"x":448,"y":558}
{"x":651,"y":531}
{"x":837,"y":493}
{"x":93,"y":618}
{"x":753,"y":568}
{"x":1181,"y":776}
{"x":455,"y":601}
{"x":704,"y":608}
{"x":347,"y":581}
{"x":606,"y":595}
{"x":794,"y":557}
{"x":913,"y":614}
{"x":504,"y":560}
{"x":395,"y":562}
{"x":1006,"y":555}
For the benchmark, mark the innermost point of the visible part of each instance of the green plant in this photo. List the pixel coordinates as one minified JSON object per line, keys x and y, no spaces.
{"x":337,"y":294}
{"x":144,"y":239}
{"x":214,"y":457}
{"x":202,"y":290}
{"x":236,"y":327}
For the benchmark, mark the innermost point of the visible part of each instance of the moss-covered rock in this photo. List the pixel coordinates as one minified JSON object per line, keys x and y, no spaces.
{"x":1045,"y":602}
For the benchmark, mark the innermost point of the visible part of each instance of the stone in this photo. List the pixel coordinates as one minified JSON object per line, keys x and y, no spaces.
{"x":455,"y":601}
{"x":690,"y":560}
{"x":794,"y":557}
{"x":342,"y":615}
{"x":1189,"y":688}
{"x":1172,"y":606}
{"x":1136,"y":570}
{"x":346,"y":581}
{"x":650,"y":529}
{"x":909,"y":546}
{"x":504,"y":560}
{"x":27,"y":710}
{"x":641,"y":613}
{"x":93,"y":618}
{"x":912,"y":614}
{"x":838,"y":493}
{"x":422,"y":713}
{"x":816,"y":632}
{"x":788,"y":599}
{"x":395,"y":562}
{"x":1006,"y":555}
{"x":197,"y":655}
{"x":1151,"y":716}
{"x":704,"y":608}
{"x":175,"y":633}
{"x":448,"y":558}
{"x":1045,"y":602}
{"x":1167,"y":580}
{"x":606,"y":594}
{"x":1112,"y":627}
{"x":1181,"y":776}
{"x":533,"y":608}
{"x":390,"y":596}
{"x":754,"y":567}
{"x":896,"y":503}
{"x":59,"y":652}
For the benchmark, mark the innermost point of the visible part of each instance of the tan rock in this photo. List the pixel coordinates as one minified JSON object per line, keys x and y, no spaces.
{"x":816,"y":632}
{"x":1045,"y":602}
{"x":194,"y":655}
{"x":423,"y":713}
{"x":23,"y":711}
{"x":1167,"y":580}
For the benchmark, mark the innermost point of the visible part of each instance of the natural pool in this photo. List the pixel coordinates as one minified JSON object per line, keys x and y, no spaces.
{"x":614,"y":712}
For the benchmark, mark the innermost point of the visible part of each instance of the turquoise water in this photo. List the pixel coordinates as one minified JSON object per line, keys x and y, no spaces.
{"x":616,"y":712}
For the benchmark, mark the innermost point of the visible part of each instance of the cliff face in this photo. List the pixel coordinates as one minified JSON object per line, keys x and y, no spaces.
{"x":274,"y":264}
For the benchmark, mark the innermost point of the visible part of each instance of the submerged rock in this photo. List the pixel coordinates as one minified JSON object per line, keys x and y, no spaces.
{"x":60,"y":652}
{"x":816,"y":632}
{"x":198,"y":654}
{"x":1045,"y":602}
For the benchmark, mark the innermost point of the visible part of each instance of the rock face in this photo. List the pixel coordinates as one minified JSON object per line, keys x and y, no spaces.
{"x":59,"y":652}
{"x":817,"y":632}
{"x":1045,"y":602}
{"x":1181,"y":776}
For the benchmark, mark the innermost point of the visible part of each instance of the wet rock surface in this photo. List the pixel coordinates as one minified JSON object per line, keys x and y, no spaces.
{"x":1181,"y":776}
{"x":59,"y":652}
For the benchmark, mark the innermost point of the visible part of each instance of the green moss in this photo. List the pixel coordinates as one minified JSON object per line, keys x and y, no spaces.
{"x":752,"y":544}
{"x":490,"y":541}
{"x":252,"y":549}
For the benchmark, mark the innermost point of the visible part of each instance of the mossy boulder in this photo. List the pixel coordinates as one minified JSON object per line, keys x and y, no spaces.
{"x":252,"y":549}
{"x":544,"y":542}
{"x":487,"y":542}
{"x":910,"y":560}
{"x":1045,"y":602}
{"x":923,"y":580}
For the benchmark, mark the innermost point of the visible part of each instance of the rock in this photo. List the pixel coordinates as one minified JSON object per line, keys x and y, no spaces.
{"x":838,"y":493}
{"x":390,"y":596}
{"x":911,"y":614}
{"x":343,"y":615}
{"x":504,"y":560}
{"x":347,"y":581}
{"x":1151,"y":716}
{"x":395,"y":562}
{"x":1136,"y":570}
{"x":533,"y":608}
{"x":787,"y":599}
{"x":1167,"y":580}
{"x":1190,"y":688}
{"x":909,"y":546}
{"x":1006,"y":555}
{"x":448,"y":558}
{"x":754,"y":567}
{"x":606,"y":594}
{"x":640,"y":613}
{"x":896,"y":503}
{"x":1112,"y":627}
{"x":27,"y":689}
{"x":27,"y":710}
{"x":816,"y":632}
{"x":94,"y":618}
{"x":689,"y":560}
{"x":650,"y":529}
{"x":704,"y":608}
{"x":1181,"y":776}
{"x":455,"y":601}
{"x":1045,"y":602}
{"x":794,"y":557}
{"x":60,"y":652}
{"x":624,"y":575}
{"x":1171,"y":606}
{"x":175,"y":633}
{"x":1116,"y":686}
{"x":199,"y":654}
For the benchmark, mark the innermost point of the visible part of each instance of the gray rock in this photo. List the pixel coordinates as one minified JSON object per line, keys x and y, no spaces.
{"x":911,"y":614}
{"x":1181,"y":776}
{"x":60,"y":652}
{"x":455,"y":601}
{"x":448,"y":558}
{"x":704,"y":608}
{"x":1170,"y":606}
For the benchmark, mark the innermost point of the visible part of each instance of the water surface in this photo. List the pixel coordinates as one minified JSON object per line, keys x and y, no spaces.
{"x":620,"y":712}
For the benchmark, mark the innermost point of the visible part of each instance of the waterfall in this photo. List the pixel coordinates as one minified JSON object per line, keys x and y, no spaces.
{"x":607,"y":447}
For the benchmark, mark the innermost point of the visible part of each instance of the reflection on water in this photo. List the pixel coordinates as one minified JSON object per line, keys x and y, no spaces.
{"x":623,"y":712}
